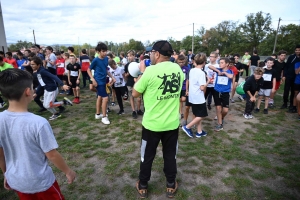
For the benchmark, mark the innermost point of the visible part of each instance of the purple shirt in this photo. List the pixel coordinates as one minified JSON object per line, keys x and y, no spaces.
{"x":185,"y":70}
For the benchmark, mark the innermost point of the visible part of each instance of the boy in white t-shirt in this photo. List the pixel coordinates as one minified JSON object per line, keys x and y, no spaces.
{"x":197,"y":87}
{"x":119,"y":85}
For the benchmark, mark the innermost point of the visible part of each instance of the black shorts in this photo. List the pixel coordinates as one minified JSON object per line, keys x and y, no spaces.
{"x":297,"y":87}
{"x":237,"y":77}
{"x":182,"y":93}
{"x":199,"y":110}
{"x":73,"y":80}
{"x":221,"y":99}
{"x":61,"y":77}
{"x":187,"y":103}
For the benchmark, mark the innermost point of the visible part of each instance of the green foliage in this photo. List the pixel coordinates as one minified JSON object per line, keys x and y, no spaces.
{"x":20,"y":45}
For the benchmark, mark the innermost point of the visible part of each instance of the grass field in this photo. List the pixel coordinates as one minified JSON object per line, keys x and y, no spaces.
{"x":249,"y":159}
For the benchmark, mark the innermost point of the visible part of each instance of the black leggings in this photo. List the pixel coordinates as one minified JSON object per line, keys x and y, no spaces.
{"x":120,"y":91}
{"x":289,"y":85}
{"x":1,"y":100}
{"x":85,"y":77}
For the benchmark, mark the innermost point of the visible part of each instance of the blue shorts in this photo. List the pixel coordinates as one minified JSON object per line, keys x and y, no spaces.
{"x":101,"y":91}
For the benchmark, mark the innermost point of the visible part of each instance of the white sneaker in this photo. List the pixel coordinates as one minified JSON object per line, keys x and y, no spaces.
{"x":250,"y":116}
{"x":99,"y":116}
{"x":241,"y":98}
{"x":216,"y":117}
{"x":105,"y":120}
{"x":246,"y":116}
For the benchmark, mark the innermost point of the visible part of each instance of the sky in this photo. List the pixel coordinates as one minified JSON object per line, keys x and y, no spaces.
{"x":90,"y":21}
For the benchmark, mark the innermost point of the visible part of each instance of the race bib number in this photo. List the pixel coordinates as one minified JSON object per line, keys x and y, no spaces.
{"x":74,"y":73}
{"x":267,"y":77}
{"x":246,"y":61}
{"x":61,"y":65}
{"x":222,"y":80}
{"x":41,"y":80}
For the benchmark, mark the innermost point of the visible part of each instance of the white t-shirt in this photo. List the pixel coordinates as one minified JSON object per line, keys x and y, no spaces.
{"x":211,"y":74}
{"x":118,"y":74}
{"x":196,"y":79}
{"x":123,"y":62}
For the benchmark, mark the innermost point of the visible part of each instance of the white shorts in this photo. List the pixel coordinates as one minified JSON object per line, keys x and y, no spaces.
{"x":49,"y":98}
{"x":265,"y":92}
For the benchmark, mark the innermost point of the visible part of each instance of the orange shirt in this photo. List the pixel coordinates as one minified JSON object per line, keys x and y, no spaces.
{"x":11,"y":61}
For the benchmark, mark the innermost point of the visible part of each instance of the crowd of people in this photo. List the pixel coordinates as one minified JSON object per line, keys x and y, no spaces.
{"x":168,"y":83}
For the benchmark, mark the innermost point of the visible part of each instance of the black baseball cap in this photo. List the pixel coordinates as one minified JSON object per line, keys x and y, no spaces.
{"x":163,"y":47}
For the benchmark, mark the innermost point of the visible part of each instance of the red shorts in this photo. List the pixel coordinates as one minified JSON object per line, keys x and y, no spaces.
{"x":277,"y":86}
{"x":53,"y":193}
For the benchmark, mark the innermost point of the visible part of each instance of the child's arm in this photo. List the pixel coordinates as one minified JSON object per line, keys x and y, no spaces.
{"x":79,"y":74}
{"x":187,"y":82}
{"x":112,"y":78}
{"x":69,"y":80}
{"x":214,"y":69}
{"x":228,"y":75}
{"x":274,"y":85}
{"x":252,"y":98}
{"x":3,"y":168}
{"x":55,"y":157}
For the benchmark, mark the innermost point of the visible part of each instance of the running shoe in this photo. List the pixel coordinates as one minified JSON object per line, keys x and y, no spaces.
{"x":105,"y":120}
{"x":121,"y":112}
{"x":246,"y":116}
{"x":188,"y":131}
{"x":139,"y":112}
{"x":241,"y":98}
{"x":171,"y":189}
{"x":219,"y":127}
{"x":67,"y":101}
{"x":265,"y":111}
{"x":55,"y":116}
{"x":134,"y":115}
{"x":142,"y":190}
{"x":199,"y":135}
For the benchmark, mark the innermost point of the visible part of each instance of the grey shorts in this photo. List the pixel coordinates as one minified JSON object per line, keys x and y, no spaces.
{"x":129,"y":91}
{"x":265,"y":92}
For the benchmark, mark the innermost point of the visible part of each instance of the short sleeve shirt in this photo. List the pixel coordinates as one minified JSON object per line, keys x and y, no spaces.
{"x":268,"y":78}
{"x":74,"y":69}
{"x":211,"y":74}
{"x":100,"y":70}
{"x":161,"y":86}
{"x":118,"y":75}
{"x":196,"y":79}
{"x":25,"y":138}
{"x":52,"y":58}
{"x":223,"y":83}
{"x":297,"y":80}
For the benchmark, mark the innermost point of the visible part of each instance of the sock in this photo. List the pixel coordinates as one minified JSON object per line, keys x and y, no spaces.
{"x":98,"y":114}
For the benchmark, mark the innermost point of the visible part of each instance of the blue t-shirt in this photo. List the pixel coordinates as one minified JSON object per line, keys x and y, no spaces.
{"x":100,"y":70}
{"x":223,"y":83}
{"x":297,"y":79}
{"x":20,"y":63}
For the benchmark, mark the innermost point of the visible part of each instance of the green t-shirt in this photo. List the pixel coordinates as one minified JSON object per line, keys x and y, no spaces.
{"x":117,"y":59}
{"x":5,"y":66}
{"x":246,"y":59}
{"x":161,"y":86}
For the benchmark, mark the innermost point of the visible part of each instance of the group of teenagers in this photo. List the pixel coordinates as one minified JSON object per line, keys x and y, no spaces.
{"x":27,"y":140}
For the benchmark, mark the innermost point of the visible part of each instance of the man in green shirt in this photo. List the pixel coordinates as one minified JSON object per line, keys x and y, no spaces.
{"x":246,"y":62}
{"x":160,"y":86}
{"x":3,"y":66}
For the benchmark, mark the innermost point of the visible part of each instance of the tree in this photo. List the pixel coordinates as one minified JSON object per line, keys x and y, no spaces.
{"x":256,"y":28}
{"x":20,"y":45}
{"x":175,"y":43}
{"x":288,"y":37}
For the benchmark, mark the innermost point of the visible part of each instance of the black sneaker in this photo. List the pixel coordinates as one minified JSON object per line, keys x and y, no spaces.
{"x":256,"y":110}
{"x":284,"y":106}
{"x":134,"y":115}
{"x":142,"y":190}
{"x":265,"y":111}
{"x":139,"y":112}
{"x":42,"y":110}
{"x":121,"y":112}
{"x":208,"y":107}
{"x":171,"y":189}
{"x":292,"y":110}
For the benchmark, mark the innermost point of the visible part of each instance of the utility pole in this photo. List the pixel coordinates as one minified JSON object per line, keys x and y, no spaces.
{"x":276,"y":35}
{"x":193,"y":41}
{"x":34,"y":36}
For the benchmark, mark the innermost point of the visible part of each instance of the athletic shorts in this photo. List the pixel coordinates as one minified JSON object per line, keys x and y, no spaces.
{"x":277,"y":86}
{"x":187,"y":103}
{"x":297,"y":87}
{"x":199,"y":110}
{"x":61,"y":77}
{"x":265,"y":92}
{"x":182,"y":93}
{"x":52,"y":193}
{"x":221,"y":99}
{"x":73,"y":80}
{"x":101,"y":91}
{"x":129,"y":91}
{"x":237,"y":78}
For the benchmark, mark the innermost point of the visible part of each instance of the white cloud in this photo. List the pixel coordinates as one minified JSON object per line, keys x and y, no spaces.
{"x":89,"y":21}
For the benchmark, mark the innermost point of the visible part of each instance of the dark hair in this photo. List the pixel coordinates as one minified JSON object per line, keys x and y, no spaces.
{"x":237,"y":55}
{"x":83,"y":51}
{"x":71,"y":49}
{"x":122,"y":53}
{"x":28,"y":50}
{"x":261,"y":64}
{"x":49,"y":48}
{"x":270,"y":59}
{"x":1,"y":58}
{"x":225,"y":59}
{"x":9,"y":53}
{"x":57,"y":53}
{"x":37,"y":60}
{"x":101,"y":46}
{"x":62,"y":52}
{"x":132,"y":52}
{"x":110,"y":55}
{"x":31,"y":54}
{"x":20,"y":53}
{"x":297,"y":46}
{"x":13,"y":82}
{"x":1,"y":53}
{"x":111,"y":62}
{"x":200,"y":58}
{"x":67,"y":55}
{"x":281,"y":52}
{"x":255,"y":52}
{"x":231,"y":60}
{"x":181,"y":57}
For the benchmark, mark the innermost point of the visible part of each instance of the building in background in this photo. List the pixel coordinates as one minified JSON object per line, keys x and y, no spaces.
{"x":3,"y":44}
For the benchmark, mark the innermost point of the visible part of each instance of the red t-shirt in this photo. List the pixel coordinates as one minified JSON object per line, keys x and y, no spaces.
{"x":60,"y":68}
{"x":11,"y":61}
{"x":234,"y":70}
